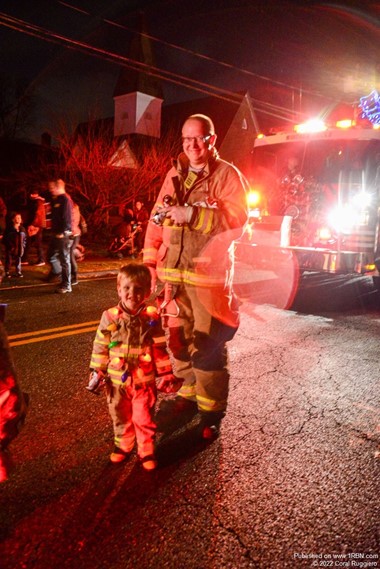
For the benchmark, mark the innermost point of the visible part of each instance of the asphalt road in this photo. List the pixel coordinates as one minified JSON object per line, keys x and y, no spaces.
{"x":292,"y":482}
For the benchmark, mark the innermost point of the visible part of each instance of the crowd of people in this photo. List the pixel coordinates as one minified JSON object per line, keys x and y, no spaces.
{"x":177,"y":310}
{"x":22,"y":235}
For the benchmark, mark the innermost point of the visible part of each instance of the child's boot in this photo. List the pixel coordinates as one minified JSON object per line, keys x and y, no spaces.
{"x":149,"y":462}
{"x":119,"y":455}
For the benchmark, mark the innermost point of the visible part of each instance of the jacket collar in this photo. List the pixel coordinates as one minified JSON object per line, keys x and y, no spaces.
{"x":182,"y":164}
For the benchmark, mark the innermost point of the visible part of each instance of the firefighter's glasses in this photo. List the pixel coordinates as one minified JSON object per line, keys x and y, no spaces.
{"x":197,"y":139}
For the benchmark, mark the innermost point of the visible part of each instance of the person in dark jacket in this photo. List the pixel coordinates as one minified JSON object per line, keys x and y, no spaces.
{"x":14,"y":242}
{"x":35,"y":223}
{"x":61,"y":242}
{"x":76,"y":221}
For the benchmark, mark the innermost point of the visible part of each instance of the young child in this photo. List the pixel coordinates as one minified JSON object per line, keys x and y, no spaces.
{"x":130,"y":347}
{"x":13,"y":402}
{"x":14,"y":242}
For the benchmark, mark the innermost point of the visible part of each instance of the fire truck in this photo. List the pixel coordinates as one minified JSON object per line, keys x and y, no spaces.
{"x":315,"y":193}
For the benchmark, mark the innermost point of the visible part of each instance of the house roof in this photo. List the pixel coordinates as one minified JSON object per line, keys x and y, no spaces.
{"x":219,"y":110}
{"x":235,"y":127}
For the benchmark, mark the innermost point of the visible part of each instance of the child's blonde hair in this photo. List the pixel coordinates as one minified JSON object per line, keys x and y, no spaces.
{"x":136,"y":272}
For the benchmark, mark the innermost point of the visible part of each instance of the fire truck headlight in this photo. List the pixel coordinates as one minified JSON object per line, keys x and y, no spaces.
{"x":253,"y":199}
{"x":344,"y":218}
{"x":324,"y":234}
{"x":362,"y":200}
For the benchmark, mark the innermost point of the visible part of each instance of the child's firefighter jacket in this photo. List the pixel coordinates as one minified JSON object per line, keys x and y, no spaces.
{"x":131,"y":349}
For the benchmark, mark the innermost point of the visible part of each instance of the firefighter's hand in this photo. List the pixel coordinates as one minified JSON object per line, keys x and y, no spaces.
{"x":180,"y":214}
{"x":169,"y":383}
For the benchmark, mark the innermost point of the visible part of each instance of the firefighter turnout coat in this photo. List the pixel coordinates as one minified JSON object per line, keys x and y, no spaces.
{"x":180,"y":253}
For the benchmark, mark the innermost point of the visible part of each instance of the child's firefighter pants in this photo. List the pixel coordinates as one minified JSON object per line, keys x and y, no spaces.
{"x":132,"y":412}
{"x":198,"y":323}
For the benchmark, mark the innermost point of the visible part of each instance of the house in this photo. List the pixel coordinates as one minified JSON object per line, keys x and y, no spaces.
{"x":142,"y":118}
{"x":143,"y":124}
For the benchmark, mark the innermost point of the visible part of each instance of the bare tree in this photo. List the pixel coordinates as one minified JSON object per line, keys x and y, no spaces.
{"x":106,"y":173}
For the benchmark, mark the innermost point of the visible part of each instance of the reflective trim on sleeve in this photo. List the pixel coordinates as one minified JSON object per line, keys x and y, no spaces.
{"x":99,"y":361}
{"x":205,"y":220}
{"x":124,"y":350}
{"x":150,"y":255}
{"x":101,"y":339}
{"x":159,"y":339}
{"x":163,"y":366}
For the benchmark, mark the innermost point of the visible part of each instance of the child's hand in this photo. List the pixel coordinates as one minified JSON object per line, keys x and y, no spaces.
{"x":169,"y":383}
{"x":96,"y":382}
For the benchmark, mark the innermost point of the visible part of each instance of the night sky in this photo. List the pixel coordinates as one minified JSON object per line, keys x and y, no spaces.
{"x":331,"y":50}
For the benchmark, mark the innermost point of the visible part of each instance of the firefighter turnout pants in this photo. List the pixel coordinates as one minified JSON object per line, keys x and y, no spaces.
{"x":198,"y":322}
{"x":131,"y":411}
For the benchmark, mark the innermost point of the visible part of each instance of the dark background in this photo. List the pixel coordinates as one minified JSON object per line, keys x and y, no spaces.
{"x":277,"y":50}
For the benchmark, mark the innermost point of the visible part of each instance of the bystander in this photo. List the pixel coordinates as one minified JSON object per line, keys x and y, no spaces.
{"x":60,"y":242}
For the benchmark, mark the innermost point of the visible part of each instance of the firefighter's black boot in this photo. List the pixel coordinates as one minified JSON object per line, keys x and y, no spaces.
{"x":209,"y":425}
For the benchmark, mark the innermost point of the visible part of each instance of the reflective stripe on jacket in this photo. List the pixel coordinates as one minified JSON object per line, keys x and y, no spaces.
{"x":197,"y":253}
{"x":130,"y":348}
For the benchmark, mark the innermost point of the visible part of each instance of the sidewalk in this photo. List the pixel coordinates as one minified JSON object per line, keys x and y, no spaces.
{"x":95,"y":264}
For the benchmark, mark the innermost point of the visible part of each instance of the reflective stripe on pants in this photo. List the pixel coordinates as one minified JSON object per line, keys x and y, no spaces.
{"x":197,"y":341}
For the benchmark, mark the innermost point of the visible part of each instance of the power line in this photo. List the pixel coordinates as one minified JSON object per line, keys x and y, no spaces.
{"x":196,"y":53}
{"x":52,"y":37}
{"x":47,"y":35}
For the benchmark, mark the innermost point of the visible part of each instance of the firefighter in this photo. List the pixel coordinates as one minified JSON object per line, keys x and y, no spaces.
{"x":187,"y":248}
{"x":130,"y":349}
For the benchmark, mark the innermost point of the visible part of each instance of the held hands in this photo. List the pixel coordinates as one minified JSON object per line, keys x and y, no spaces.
{"x":179,"y":214}
{"x":169,"y":383}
